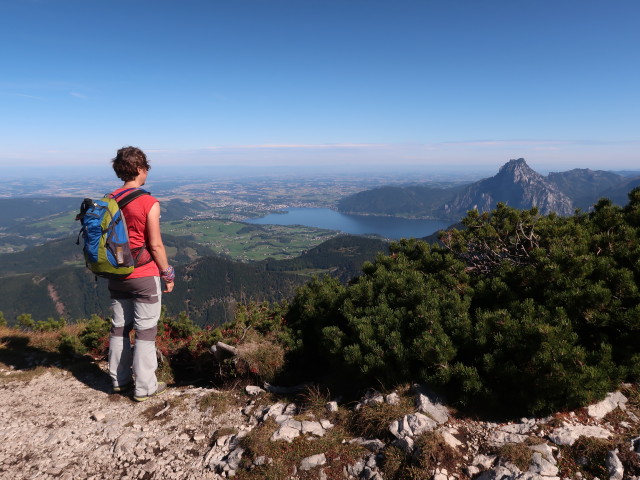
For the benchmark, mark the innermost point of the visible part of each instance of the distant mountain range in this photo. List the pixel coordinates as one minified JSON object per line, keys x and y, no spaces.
{"x":51,"y":280}
{"x":515,"y":184}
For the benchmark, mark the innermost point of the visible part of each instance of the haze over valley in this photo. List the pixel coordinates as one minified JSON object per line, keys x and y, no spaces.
{"x":225,"y":259}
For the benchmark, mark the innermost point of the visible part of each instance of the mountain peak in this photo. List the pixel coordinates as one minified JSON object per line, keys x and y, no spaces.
{"x":518,"y":166}
{"x":517,"y":185}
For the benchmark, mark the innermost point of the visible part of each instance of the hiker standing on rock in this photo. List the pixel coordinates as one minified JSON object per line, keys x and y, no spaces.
{"x":136,"y":299}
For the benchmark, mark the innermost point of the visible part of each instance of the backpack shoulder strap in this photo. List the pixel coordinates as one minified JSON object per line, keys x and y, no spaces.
{"x":131,"y":197}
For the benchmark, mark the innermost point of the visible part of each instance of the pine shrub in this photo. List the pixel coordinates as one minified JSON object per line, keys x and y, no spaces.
{"x":535,"y":313}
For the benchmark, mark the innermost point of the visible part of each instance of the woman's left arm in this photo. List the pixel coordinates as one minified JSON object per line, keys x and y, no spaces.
{"x":154,"y":242}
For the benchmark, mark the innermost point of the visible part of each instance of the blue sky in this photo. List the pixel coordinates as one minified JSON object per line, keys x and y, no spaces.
{"x":457,"y":83}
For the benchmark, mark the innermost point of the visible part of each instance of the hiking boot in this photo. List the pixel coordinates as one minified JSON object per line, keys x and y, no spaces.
{"x":161,"y":388}
{"x":123,"y":388}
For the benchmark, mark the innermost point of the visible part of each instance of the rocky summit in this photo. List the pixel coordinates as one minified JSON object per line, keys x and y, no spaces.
{"x":516,"y":185}
{"x":55,"y":424}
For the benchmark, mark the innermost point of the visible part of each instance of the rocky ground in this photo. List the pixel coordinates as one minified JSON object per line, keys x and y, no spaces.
{"x":65,"y":424}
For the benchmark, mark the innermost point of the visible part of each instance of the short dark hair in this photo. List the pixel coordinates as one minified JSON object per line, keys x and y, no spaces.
{"x":127,"y":161}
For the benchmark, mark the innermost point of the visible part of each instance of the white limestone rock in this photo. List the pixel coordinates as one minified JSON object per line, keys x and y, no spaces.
{"x":98,"y":416}
{"x":614,"y":466}
{"x":568,"y":434}
{"x":274,"y":410}
{"x":517,"y":428}
{"x":253,"y":390}
{"x":392,"y":399}
{"x":234,"y":458}
{"x":373,"y":445}
{"x":292,"y":424}
{"x":498,"y":438}
{"x":356,"y":469}
{"x":313,"y":428}
{"x":285,"y":433}
{"x":484,"y":461}
{"x":412,"y":425}
{"x":313,"y":461}
{"x":406,"y":444}
{"x":610,"y":403}
{"x":542,"y":466}
{"x":326,"y":424}
{"x":332,"y":406}
{"x":546,"y":450}
{"x":437,"y":411}
{"x":450,"y":440}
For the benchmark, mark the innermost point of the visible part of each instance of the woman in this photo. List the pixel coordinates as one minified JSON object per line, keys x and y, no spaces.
{"x":136,"y":299}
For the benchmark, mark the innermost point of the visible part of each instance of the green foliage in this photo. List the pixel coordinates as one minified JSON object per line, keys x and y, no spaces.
{"x":3,"y":321}
{"x":535,"y":312}
{"x":26,"y":321}
{"x":70,"y":346}
{"x":95,"y":335}
{"x":50,"y":324}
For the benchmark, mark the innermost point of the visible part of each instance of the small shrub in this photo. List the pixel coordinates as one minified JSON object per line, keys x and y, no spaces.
{"x":25,"y":321}
{"x":50,"y":325}
{"x":95,"y":335}
{"x":70,"y":346}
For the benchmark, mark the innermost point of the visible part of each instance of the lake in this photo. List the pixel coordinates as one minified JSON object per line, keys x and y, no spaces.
{"x":387,"y":227}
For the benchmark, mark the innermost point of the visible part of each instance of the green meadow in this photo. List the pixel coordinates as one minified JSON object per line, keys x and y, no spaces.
{"x":246,"y":242}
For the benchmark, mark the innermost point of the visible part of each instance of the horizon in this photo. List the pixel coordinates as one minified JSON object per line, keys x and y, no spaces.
{"x":210,"y":173}
{"x":304,"y":83}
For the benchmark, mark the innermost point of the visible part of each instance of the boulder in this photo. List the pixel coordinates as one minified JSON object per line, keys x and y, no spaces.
{"x":568,"y":434}
{"x":412,"y":425}
{"x":610,"y":403}
{"x":313,"y":461}
{"x":437,"y":411}
{"x":614,"y":466}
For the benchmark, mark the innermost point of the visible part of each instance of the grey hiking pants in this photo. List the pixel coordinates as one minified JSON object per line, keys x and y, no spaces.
{"x":136,"y":305}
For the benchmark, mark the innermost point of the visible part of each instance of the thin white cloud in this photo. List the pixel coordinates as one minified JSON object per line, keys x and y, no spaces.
{"x":533,"y":143}
{"x":78,"y":95}
{"x":24,"y":95}
{"x":293,"y":146}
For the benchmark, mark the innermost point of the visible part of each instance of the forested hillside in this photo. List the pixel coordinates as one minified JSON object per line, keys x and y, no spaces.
{"x":51,"y":280}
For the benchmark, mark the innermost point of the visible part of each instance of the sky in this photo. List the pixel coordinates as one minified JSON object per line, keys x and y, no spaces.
{"x":256,"y":83}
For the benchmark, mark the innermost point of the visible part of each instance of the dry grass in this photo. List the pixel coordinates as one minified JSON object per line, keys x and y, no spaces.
{"x":372,"y":421}
{"x":313,"y":399}
{"x":287,"y":456}
{"x":261,"y":359}
{"x":28,"y":354}
{"x":517,"y":453}
{"x":218,"y":402}
{"x":587,"y":455}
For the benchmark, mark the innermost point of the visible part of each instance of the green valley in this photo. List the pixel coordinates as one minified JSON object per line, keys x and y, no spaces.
{"x":245,"y":242}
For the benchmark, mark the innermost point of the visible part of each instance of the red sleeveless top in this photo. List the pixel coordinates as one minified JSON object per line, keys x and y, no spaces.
{"x":135,"y":214}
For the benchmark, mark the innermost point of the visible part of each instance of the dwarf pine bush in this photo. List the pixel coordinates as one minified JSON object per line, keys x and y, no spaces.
{"x":534,"y":312}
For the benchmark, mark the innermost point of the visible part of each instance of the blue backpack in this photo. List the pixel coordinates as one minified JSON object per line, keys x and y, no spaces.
{"x":106,"y":239}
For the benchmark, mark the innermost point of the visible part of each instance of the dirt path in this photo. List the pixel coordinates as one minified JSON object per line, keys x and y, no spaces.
{"x":60,"y":425}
